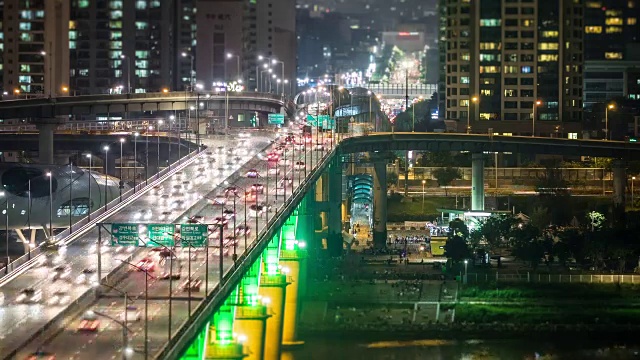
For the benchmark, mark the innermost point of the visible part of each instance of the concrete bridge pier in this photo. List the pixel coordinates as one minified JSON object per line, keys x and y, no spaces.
{"x":379,"y":204}
{"x":619,"y":188}
{"x":334,"y":223}
{"x":477,"y":182}
{"x":251,"y":321}
{"x":273,"y":289}
{"x":296,"y":263}
{"x":45,"y":142}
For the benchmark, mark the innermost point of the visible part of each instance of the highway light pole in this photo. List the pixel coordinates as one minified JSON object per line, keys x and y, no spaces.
{"x":158,"y":149}
{"x":606,"y":120}
{"x":146,"y":305}
{"x":184,"y":54}
{"x":89,"y":205}
{"x":471,"y":100}
{"x":135,"y":159}
{"x":124,"y":57}
{"x":121,"y":181}
{"x":633,"y":178}
{"x":146,"y":156}
{"x":533,"y":117}
{"x":125,"y":320}
{"x":106,"y":174}
{"x":423,"y":183}
{"x":6,"y":228}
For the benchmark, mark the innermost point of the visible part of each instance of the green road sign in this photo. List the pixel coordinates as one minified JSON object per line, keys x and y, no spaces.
{"x":161,"y":234}
{"x":276,"y":119}
{"x":124,"y":235}
{"x":194,"y":234}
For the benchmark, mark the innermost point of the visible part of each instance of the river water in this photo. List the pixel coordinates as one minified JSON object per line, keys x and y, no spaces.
{"x":317,"y":348}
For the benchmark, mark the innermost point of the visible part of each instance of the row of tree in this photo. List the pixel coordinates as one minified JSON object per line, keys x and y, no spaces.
{"x":591,"y":245}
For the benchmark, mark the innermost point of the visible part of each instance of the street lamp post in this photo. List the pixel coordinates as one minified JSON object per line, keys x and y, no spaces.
{"x":466,"y":263}
{"x":123,"y":57}
{"x":50,"y":176}
{"x":632,"y":192}
{"x":274,"y":61}
{"x":146,"y":156}
{"x":184,"y":54}
{"x":121,"y":181}
{"x":106,"y":174}
{"x":471,"y":100}
{"x":533,"y":117}
{"x":146,"y":304}
{"x":606,"y":120}
{"x":135,"y":159}
{"x":89,"y":205}
{"x":125,"y":320}
{"x":423,"y":183}
{"x":6,"y":228}
{"x":158,"y":149}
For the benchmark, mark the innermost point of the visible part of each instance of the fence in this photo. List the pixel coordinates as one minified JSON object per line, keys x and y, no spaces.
{"x":515,"y":173}
{"x":554,"y":278}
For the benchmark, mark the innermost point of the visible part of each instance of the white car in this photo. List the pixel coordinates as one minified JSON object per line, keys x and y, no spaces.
{"x":281,"y":191}
{"x":157,"y":190}
{"x":299,"y":165}
{"x":61,"y":272}
{"x":143,"y":215}
{"x":29,"y":296}
{"x":255,"y":211}
{"x":219,"y":200}
{"x":132,"y":314}
{"x":60,"y":297}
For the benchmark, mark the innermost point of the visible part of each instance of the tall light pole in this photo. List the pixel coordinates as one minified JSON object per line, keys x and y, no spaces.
{"x":533,"y":117}
{"x":423,"y":183}
{"x":471,"y":100}
{"x":238,"y":70}
{"x":106,"y":174}
{"x":184,"y":54}
{"x":369,"y":93}
{"x":146,"y":304}
{"x":128,"y":59}
{"x":89,"y":179}
{"x":135,"y":159}
{"x":125,"y":321}
{"x":606,"y":120}
{"x":274,"y":61}
{"x":286,"y":82}
{"x":466,"y":263}
{"x":633,"y":178}
{"x":6,"y":229}
{"x":278,"y":81}
{"x":122,"y":140}
{"x":50,"y":176}
{"x":158,"y":144}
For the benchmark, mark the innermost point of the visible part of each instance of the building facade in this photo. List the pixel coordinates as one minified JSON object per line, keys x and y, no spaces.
{"x":514,"y":67}
{"x":35,"y":47}
{"x":610,"y":29}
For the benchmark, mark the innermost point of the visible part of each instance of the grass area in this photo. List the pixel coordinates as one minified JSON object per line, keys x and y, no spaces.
{"x":540,"y":314}
{"x":399,"y":211}
{"x":504,"y":292}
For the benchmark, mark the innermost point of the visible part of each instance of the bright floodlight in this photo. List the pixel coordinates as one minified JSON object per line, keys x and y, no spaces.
{"x":136,"y":134}
{"x":184,"y":54}
{"x":106,"y":148}
{"x":49,"y":174}
{"x":122,"y":140}
{"x":88,"y":155}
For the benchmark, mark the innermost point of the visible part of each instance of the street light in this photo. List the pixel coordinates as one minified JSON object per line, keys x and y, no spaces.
{"x":231,"y":56}
{"x":122,"y":140}
{"x":135,"y":159}
{"x":123,"y":57}
{"x":471,"y":100}
{"x":89,"y":207}
{"x":106,"y":174}
{"x":423,"y":183}
{"x":466,"y":263}
{"x":6,"y":228}
{"x":146,"y":305}
{"x":50,"y":176}
{"x":125,"y":321}
{"x":606,"y":120}
{"x":158,"y":145}
{"x":533,"y":117}
{"x":184,"y":54}
{"x":632,"y":180}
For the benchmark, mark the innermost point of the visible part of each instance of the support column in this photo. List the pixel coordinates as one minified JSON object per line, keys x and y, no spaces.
{"x":251,"y":321}
{"x":274,"y":288}
{"x":619,"y":187}
{"x":45,"y":143}
{"x":296,"y":262}
{"x":379,"y":204}
{"x":334,"y":231}
{"x":477,"y":182}
{"x":222,"y":351}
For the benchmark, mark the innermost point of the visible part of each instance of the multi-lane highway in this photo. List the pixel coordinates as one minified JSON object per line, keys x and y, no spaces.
{"x":189,"y":193}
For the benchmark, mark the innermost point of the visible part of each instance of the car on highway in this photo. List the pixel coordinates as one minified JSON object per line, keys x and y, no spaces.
{"x":252,"y":173}
{"x":319,"y":146}
{"x":87,"y":276}
{"x":143,"y":214}
{"x":274,"y":171}
{"x":157,"y":190}
{"x":242,"y":230}
{"x":178,"y":205}
{"x":168,"y":275}
{"x":272,"y":156}
{"x":228,"y":214}
{"x":145,"y":264}
{"x":192,"y":285}
{"x":284,"y":162}
{"x":257,"y":189}
{"x":29,"y":296}
{"x":231,"y":191}
{"x":299,"y":165}
{"x":255,"y":211}
{"x":249,"y":196}
{"x":132,"y":314}
{"x":219,"y":200}
{"x":221,"y":221}
{"x":61,"y":272}
{"x":286,"y":180}
{"x":89,"y":322}
{"x":41,"y":355}
{"x":59,"y":297}
{"x":281,"y":190}
{"x":230,"y":240}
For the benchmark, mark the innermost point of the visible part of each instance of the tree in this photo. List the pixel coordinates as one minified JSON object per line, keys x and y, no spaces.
{"x":528,"y":244}
{"x":496,"y":229}
{"x":456,"y":249}
{"x":392,"y":179}
{"x":445,"y":176}
{"x":540,"y":217}
{"x":458,"y":228}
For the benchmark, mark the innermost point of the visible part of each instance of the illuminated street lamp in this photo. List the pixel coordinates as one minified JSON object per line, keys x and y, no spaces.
{"x":184,"y":55}
{"x":633,"y":178}
{"x":6,"y":228}
{"x":146,"y":304}
{"x":423,"y":183}
{"x":89,"y":179}
{"x":606,"y":120}
{"x":122,"y":140}
{"x":135,"y":159}
{"x":471,"y":100}
{"x":238,"y":70}
{"x":106,"y":174}
{"x":533,"y":117}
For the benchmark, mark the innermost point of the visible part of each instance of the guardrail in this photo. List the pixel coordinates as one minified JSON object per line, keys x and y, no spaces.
{"x":82,"y":226}
{"x":555,"y":278}
{"x":189,"y":329}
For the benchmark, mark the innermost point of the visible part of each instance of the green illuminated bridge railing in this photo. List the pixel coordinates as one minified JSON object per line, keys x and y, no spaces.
{"x":380,"y":142}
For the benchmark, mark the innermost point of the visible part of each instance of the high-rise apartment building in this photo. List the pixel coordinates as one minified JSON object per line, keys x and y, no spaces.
{"x":508,"y":60}
{"x":610,"y":28}
{"x":35,"y":47}
{"x":123,"y":45}
{"x":233,"y":34}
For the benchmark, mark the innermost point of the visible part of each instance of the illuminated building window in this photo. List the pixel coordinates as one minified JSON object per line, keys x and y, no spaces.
{"x":594,"y":4}
{"x":141,"y":4}
{"x":487,"y":81}
{"x":547,"y":57}
{"x":550,"y":34}
{"x":465,"y":57}
{"x":613,"y":29}
{"x":490,"y":22}
{"x":489,"y":69}
{"x":510,"y":93}
{"x":486,"y":92}
{"x":611,"y":12}
{"x":511,"y":69}
{"x":593,"y":29}
{"x":631,"y":4}
{"x":614,"y":21}
{"x":489,"y":46}
{"x":548,"y":46}
{"x":527,"y":23}
{"x":631,"y":21}
{"x":489,"y":57}
{"x":613,"y":55}
{"x":464,"y":102}
{"x":464,"y":79}
{"x":525,"y":69}
{"x":488,"y":116}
